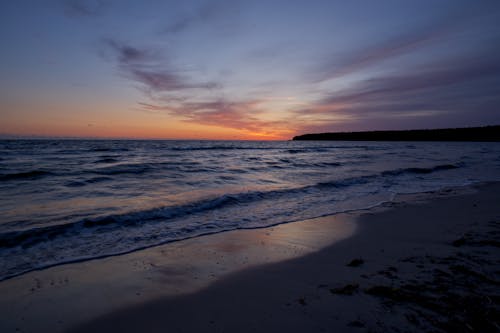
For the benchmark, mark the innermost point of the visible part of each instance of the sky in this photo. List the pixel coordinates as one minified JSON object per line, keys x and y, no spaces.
{"x":256,"y":70}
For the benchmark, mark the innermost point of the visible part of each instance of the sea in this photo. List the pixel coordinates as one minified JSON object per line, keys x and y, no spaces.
{"x":65,"y":201}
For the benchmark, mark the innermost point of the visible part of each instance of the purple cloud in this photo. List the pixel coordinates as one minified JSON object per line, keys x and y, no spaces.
{"x":127,"y":54}
{"x":147,"y":66}
{"x":240,"y":115}
{"x":165,"y":87}
{"x":412,"y":41}
{"x":431,"y":79}
{"x":459,"y":91}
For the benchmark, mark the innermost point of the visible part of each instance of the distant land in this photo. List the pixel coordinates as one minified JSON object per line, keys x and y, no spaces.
{"x":486,"y":133}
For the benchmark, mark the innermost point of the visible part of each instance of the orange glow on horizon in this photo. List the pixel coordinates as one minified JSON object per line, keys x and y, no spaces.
{"x":91,"y":121}
{"x":182,"y":131}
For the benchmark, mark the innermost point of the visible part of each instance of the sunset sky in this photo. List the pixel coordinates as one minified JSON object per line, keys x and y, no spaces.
{"x":245,"y":69}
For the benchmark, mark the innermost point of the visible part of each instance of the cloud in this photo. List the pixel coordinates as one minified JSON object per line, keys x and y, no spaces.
{"x":242,"y":115}
{"x":456,"y":90}
{"x":220,"y":112}
{"x":170,"y":90}
{"x":462,"y":76}
{"x":452,"y":89}
{"x":411,"y":41}
{"x":452,"y":92}
{"x":360,"y":59}
{"x":149,"y":68}
{"x":127,"y":54}
{"x":458,"y":87}
{"x":83,"y":8}
{"x":159,"y":80}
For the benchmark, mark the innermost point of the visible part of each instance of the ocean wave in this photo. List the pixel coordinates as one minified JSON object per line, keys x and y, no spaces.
{"x":309,"y":150}
{"x":33,"y":174}
{"x":290,"y":151}
{"x":82,"y":182}
{"x":98,"y":180}
{"x":440,"y":167}
{"x":127,"y":195}
{"x":27,"y":238}
{"x":30,"y":237}
{"x":106,"y":160}
{"x":143,"y":168}
{"x":108,"y":149}
{"x":119,"y":169}
{"x":219,"y":148}
{"x":75,"y":183}
{"x":329,"y":164}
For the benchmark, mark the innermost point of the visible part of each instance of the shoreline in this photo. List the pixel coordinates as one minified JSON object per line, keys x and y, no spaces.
{"x":106,"y":284}
{"x":209,"y":234}
{"x":87,"y":295}
{"x":165,"y":243}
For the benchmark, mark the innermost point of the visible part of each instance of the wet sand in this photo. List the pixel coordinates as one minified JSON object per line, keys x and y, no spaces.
{"x":61,"y":297}
{"x":426,"y":262}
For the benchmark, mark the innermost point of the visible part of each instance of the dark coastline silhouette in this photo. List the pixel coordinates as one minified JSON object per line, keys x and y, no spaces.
{"x":478,"y":134}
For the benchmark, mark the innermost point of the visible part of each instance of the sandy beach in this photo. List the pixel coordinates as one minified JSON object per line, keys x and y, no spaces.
{"x":425,"y":262}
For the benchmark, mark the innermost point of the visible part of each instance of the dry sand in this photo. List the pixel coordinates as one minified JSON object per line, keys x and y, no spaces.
{"x":426,"y":262}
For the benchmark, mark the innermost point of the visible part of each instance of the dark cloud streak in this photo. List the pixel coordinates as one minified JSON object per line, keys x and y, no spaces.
{"x":127,"y":54}
{"x":147,"y":67}
{"x":412,"y":41}
{"x":423,"y":80}
{"x":360,"y":59}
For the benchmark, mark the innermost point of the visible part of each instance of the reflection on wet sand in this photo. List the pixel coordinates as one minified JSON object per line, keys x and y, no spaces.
{"x":105,"y":285}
